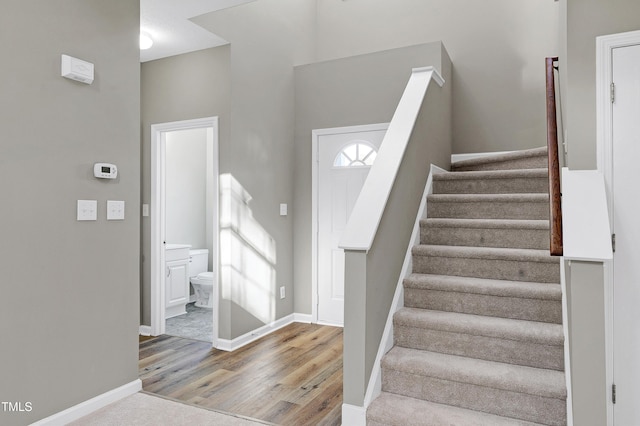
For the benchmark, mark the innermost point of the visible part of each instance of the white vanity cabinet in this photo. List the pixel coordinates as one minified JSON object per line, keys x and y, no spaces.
{"x":176,"y":279}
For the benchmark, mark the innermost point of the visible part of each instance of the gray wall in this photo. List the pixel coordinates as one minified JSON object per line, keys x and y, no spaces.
{"x":497,"y":48}
{"x":498,"y":86}
{"x":371,"y":278}
{"x":585,"y":294}
{"x":183,"y":87}
{"x":587,"y":19}
{"x":263,"y":42}
{"x":186,"y":185}
{"x":346,"y":92}
{"x":70,"y":303}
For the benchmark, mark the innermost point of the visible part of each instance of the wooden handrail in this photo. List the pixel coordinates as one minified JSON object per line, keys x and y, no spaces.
{"x":555,"y":204}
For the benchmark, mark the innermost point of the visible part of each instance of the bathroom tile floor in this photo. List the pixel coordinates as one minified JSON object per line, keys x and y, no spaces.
{"x":196,"y":324}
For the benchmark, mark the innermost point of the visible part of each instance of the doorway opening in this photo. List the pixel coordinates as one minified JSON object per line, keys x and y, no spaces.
{"x":185,"y":225}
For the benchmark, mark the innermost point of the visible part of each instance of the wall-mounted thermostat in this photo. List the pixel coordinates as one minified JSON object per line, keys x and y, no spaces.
{"x":77,"y":69}
{"x":105,"y":171}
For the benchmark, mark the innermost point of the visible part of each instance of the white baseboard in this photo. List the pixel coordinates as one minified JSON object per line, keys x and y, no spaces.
{"x":306,"y":318}
{"x":145,"y":330}
{"x":473,"y":155}
{"x":245,"y":339}
{"x":91,"y":405}
{"x":353,"y":415}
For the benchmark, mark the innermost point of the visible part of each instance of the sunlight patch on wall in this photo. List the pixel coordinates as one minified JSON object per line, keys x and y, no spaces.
{"x":247,"y":254}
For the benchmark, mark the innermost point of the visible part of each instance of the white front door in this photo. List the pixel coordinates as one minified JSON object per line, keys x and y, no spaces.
{"x":344,"y":160}
{"x":626,"y":226}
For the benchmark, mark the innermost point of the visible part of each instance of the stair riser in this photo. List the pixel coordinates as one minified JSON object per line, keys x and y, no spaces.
{"x":484,"y":237}
{"x":481,"y":347}
{"x":491,"y":186}
{"x":542,"y":272}
{"x":480,"y":304}
{"x":537,"y":162}
{"x":488,"y":210}
{"x":550,"y":411}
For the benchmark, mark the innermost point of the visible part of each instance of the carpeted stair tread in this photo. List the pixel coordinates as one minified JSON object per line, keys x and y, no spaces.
{"x":492,"y":174}
{"x":528,"y":158}
{"x":478,"y":325}
{"x":489,"y":206}
{"x":503,"y":288}
{"x":505,"y":233}
{"x":487,"y":262}
{"x":531,"y":301}
{"x":513,"y":378}
{"x":487,"y":223}
{"x":513,"y":341}
{"x":484,"y":198}
{"x":492,"y":182}
{"x":396,"y":410}
{"x":490,"y":253}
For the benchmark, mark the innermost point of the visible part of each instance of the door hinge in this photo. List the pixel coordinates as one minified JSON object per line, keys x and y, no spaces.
{"x":613,"y":393}
{"x":613,"y":92}
{"x":613,"y":242}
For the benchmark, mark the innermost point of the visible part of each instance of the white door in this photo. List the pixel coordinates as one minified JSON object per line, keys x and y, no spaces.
{"x":344,"y":161}
{"x":626,"y":225}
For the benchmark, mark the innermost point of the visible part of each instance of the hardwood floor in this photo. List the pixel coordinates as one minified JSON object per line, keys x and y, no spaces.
{"x":290,"y":377}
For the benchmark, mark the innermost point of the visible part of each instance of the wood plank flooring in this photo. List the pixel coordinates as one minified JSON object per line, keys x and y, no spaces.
{"x":290,"y":377}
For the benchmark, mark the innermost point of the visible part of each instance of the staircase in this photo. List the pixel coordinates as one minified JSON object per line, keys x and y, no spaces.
{"x":480,"y":339}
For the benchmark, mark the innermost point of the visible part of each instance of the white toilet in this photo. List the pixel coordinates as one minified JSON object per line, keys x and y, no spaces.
{"x":201,"y":279}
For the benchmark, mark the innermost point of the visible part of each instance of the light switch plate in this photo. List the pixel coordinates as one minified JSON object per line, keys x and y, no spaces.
{"x":87,"y":210}
{"x":283,"y":209}
{"x":115,"y":210}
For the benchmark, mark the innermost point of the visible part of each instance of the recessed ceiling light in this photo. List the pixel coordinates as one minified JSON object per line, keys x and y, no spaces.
{"x":145,"y":41}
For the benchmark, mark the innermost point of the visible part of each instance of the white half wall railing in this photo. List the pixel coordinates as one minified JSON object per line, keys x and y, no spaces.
{"x":586,"y":237}
{"x":366,"y":214}
{"x":585,"y":219}
{"x":381,"y":226}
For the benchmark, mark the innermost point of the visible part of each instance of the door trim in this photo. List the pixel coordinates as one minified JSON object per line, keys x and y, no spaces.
{"x":604,"y":143}
{"x":158,"y":219}
{"x":315,"y":138}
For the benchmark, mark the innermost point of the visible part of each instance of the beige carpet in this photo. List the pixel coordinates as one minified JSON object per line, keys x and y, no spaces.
{"x":479,"y":340}
{"x":145,"y":409}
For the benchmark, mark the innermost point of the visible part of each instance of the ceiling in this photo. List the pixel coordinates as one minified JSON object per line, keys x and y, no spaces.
{"x":169,"y":25}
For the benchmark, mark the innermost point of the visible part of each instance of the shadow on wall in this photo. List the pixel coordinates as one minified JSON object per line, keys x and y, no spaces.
{"x":247,"y":254}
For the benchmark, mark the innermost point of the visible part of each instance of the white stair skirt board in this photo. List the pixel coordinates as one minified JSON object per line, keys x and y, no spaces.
{"x":145,"y":330}
{"x":245,"y":339}
{"x":567,"y":343}
{"x":91,"y":405}
{"x":353,"y":415}
{"x":386,"y":343}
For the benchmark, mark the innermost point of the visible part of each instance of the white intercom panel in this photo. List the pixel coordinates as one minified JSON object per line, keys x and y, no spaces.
{"x":105,"y":171}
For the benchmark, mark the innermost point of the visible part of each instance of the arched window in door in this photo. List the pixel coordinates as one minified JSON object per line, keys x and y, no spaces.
{"x":357,"y":154}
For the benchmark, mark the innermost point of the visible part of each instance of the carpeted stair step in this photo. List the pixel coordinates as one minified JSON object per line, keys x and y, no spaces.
{"x":488,"y":206}
{"x":534,"y":344}
{"x":487,"y":262}
{"x":525,"y":393}
{"x":526,"y":159}
{"x":530,"y":301}
{"x":508,"y":233}
{"x":492,"y":182}
{"x":396,"y":410}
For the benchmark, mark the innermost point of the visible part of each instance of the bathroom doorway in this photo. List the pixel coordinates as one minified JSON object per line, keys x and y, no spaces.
{"x":184,"y":224}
